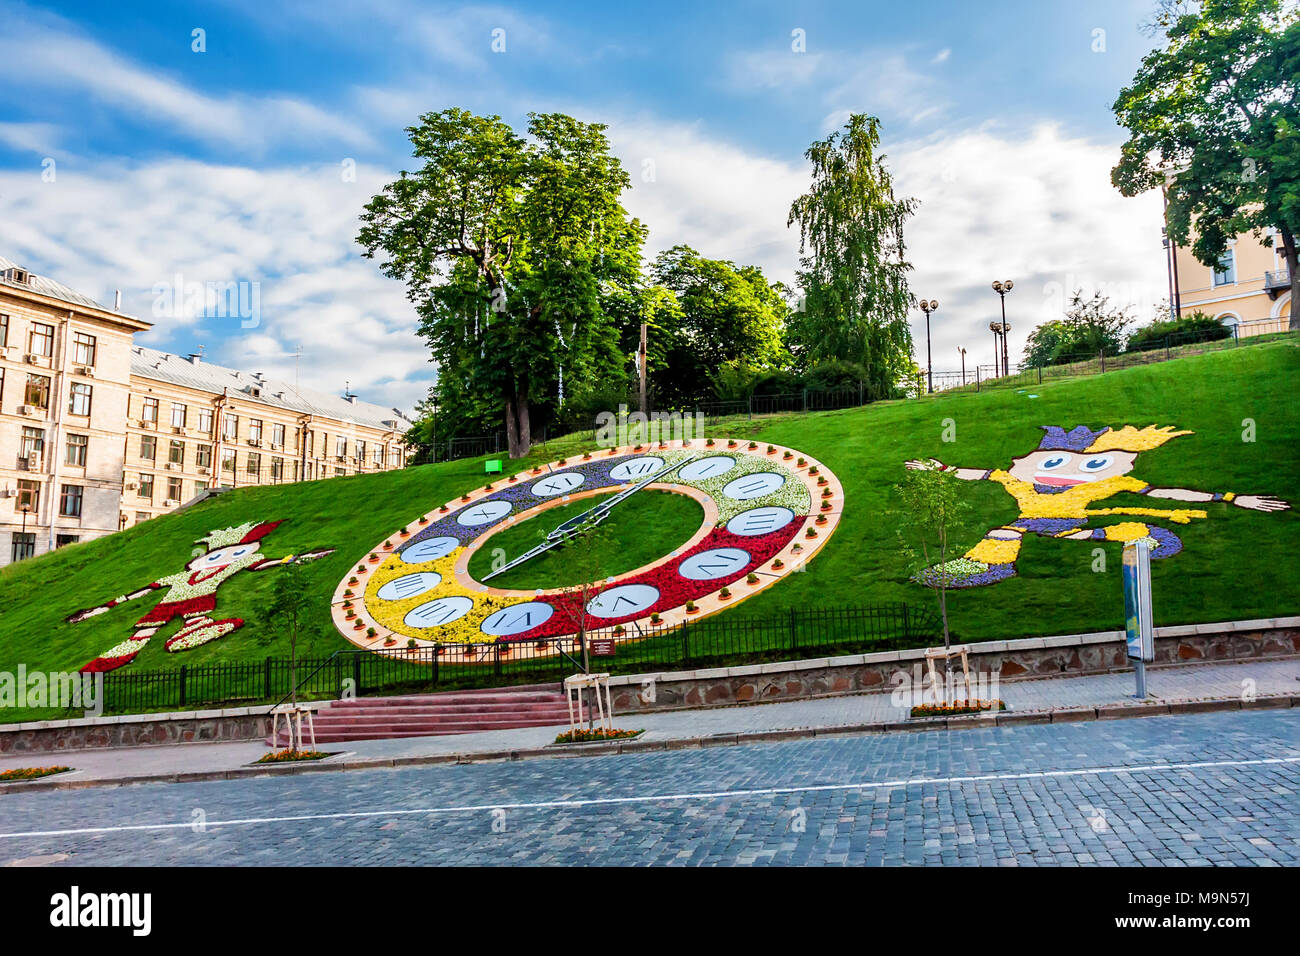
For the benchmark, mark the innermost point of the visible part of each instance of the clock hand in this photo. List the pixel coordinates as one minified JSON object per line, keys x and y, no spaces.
{"x":591,"y":516}
{"x":605,"y":506}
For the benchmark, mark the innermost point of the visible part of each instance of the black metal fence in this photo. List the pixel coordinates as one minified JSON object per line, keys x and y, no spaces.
{"x":1181,"y":345}
{"x":712,"y":642}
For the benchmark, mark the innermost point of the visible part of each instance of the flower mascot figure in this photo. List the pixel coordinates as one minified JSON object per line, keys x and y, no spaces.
{"x":1054,"y":487}
{"x":192,"y":593}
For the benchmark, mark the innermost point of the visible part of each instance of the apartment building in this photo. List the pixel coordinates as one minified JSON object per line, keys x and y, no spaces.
{"x":1249,"y":288}
{"x":97,"y":433}
{"x":65,"y":371}
{"x":193,"y":425}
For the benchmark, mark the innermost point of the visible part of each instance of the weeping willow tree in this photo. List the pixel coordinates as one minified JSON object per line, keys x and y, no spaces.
{"x":853,"y":265}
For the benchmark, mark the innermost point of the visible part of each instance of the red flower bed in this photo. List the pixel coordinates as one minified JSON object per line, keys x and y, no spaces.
{"x":674,"y":590}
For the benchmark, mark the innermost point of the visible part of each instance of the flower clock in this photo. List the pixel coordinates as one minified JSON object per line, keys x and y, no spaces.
{"x":767,"y":510}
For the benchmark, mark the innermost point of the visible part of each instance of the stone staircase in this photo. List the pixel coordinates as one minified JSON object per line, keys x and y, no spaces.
{"x":430,"y":715}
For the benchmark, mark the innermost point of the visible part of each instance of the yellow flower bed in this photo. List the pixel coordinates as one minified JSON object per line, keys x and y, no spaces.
{"x":392,"y":614}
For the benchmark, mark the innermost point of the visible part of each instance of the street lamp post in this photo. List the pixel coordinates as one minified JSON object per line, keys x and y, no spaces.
{"x":963,"y":364}
{"x":997,"y":331}
{"x":927,"y":308}
{"x":27,"y":509}
{"x":1002,"y":288}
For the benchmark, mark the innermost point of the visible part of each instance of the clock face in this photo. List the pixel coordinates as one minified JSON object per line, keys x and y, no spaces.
{"x":765,"y":514}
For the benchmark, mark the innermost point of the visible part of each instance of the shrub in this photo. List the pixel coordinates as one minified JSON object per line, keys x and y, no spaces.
{"x":1196,"y":327}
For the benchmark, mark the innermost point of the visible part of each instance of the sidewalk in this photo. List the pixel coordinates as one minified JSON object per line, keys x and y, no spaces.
{"x":1264,"y":683}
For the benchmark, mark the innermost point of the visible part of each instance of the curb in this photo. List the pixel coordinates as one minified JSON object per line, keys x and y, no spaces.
{"x":1065,"y":715}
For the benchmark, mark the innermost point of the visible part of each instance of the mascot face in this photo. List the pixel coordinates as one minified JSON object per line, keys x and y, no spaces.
{"x":223,"y":558}
{"x":1065,"y":469}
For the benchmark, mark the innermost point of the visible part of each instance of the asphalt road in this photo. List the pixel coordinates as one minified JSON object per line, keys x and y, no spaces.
{"x":1219,"y":788}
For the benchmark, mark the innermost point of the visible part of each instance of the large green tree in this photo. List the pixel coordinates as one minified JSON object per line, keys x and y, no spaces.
{"x":509,"y":246}
{"x":724,"y":316}
{"x":1215,"y":114}
{"x":853,"y":266}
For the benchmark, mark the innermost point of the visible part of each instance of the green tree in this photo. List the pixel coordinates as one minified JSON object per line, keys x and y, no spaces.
{"x":508,"y":246}
{"x":853,"y":265}
{"x":1215,"y":113}
{"x":1090,"y":326}
{"x":723,"y":315}
{"x":932,"y":504}
{"x":291,"y":603}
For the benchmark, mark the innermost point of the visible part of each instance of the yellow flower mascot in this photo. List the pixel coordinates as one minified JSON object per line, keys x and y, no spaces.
{"x":1055,"y":486}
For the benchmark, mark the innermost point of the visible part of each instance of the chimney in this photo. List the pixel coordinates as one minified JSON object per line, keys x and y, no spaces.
{"x":117,"y":300}
{"x":194,"y":358}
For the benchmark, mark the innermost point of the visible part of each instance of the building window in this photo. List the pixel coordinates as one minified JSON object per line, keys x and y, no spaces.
{"x":32,"y":442}
{"x":63,"y":540}
{"x":83,"y":349}
{"x":176,"y":453}
{"x":1225,"y":273}
{"x":24,"y":545}
{"x":228,"y":459}
{"x":29,"y":495}
{"x":149,"y":412}
{"x":38,"y":391}
{"x":203,"y":456}
{"x":200,"y":487}
{"x":76,"y":450}
{"x":361,"y":452}
{"x":148,"y":447}
{"x":230,"y":427}
{"x":174,"y":491}
{"x":178,"y":415}
{"x":2,"y":389}
{"x":146,"y":487}
{"x":4,"y":330}
{"x":339,"y":472}
{"x":254,"y":429}
{"x":40,"y":340}
{"x":254,"y":465}
{"x":205,"y":421}
{"x":79,"y":399}
{"x":70,"y":501}
{"x":277,"y":435}
{"x":141,"y":516}
{"x":277,"y":469}
{"x":341,"y":446}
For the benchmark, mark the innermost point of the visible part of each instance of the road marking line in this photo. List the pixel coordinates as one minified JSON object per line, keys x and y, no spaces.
{"x":661,"y":798}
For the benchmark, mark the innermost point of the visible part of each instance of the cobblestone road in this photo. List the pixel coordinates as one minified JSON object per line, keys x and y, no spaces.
{"x":1220,"y":788}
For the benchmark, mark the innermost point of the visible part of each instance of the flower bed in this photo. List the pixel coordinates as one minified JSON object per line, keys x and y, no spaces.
{"x":956,"y":708}
{"x":29,"y":773}
{"x":290,"y":756}
{"x":581,"y":736}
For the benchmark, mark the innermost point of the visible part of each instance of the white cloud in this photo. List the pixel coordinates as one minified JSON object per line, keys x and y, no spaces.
{"x":40,"y":138}
{"x":942,"y":56}
{"x":289,"y":229}
{"x":51,"y":55}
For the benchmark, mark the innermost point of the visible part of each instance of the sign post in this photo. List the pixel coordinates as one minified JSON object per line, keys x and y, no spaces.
{"x":1137,"y":610}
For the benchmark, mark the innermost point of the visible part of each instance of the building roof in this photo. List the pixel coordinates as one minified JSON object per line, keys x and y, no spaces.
{"x":43,"y":285}
{"x":198,"y":374}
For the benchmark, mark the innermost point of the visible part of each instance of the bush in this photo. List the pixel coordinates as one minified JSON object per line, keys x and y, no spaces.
{"x":835,"y":373}
{"x":1196,"y":327}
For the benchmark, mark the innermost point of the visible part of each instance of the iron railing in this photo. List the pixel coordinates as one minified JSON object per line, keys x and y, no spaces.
{"x":795,"y":634}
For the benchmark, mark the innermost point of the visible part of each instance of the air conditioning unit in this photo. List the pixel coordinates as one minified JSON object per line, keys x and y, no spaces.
{"x":255,"y":442}
{"x":145,"y":423}
{"x":203,"y":471}
{"x":31,"y":358}
{"x":172,"y":466}
{"x":26,"y":410}
{"x":34,"y":461}
{"x":86,"y":371}
{"x":6,"y":492}
{"x":169,"y":503}
{"x":178,"y":430}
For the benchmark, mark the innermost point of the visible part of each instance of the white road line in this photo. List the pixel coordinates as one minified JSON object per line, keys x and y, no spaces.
{"x":662,"y":797}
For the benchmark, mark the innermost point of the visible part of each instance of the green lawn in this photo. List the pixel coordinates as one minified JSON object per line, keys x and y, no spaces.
{"x":644,"y":527}
{"x":1236,"y":563}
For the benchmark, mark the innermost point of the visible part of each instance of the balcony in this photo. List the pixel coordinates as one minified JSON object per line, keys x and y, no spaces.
{"x":1275,"y":283}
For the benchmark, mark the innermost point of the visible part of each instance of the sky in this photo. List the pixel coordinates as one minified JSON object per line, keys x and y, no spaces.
{"x":159,"y":148}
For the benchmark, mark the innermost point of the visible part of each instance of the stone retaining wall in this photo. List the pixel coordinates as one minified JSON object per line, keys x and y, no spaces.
{"x":1069,"y":654}
{"x":136,"y":730}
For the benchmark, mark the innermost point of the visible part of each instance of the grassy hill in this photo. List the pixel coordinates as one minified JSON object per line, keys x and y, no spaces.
{"x":1235,"y":563}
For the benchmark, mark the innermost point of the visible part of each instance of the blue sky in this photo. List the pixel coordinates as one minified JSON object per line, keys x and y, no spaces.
{"x":128,"y":159}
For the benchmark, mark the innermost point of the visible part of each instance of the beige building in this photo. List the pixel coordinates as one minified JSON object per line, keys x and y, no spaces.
{"x":97,"y":433}
{"x":192,"y":426}
{"x":1249,"y":288}
{"x":65,"y":369}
